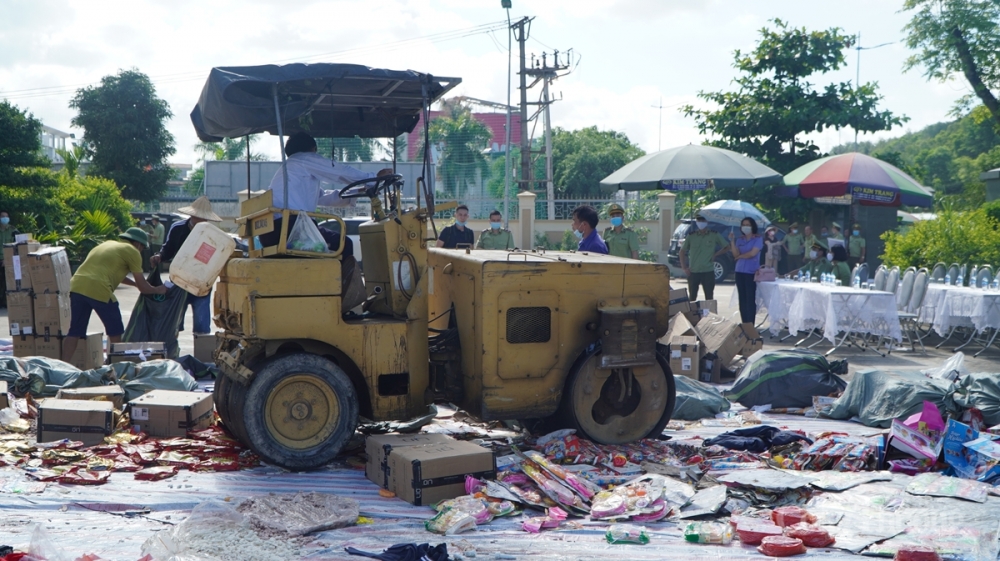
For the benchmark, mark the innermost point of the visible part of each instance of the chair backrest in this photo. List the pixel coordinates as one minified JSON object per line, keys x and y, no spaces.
{"x":863,"y":272}
{"x":920,"y":283}
{"x":953,"y":272}
{"x":984,"y":275}
{"x":880,"y":278}
{"x":892,"y":280}
{"x":905,"y":288}
{"x":996,"y":279}
{"x":937,"y":275}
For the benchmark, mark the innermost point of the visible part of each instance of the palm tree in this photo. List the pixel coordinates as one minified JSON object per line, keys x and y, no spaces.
{"x":229,"y":149}
{"x":461,"y":139}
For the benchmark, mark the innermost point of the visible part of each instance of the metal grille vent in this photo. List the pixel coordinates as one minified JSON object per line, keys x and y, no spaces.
{"x":529,"y":325}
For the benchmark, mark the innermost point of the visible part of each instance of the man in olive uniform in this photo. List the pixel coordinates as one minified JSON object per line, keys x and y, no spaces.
{"x":496,"y":236}
{"x":856,"y":247}
{"x":836,"y":234}
{"x":794,"y":242}
{"x":621,"y":241}
{"x":817,"y":263}
{"x":808,"y":240}
{"x":697,"y":256}
{"x":7,"y":236}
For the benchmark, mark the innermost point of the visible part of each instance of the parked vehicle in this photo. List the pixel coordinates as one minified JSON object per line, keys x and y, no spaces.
{"x":724,"y":264}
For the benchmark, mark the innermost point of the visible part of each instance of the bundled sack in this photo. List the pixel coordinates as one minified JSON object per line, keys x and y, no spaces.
{"x":786,"y":378}
{"x":696,"y":400}
{"x":158,"y":317}
{"x":980,"y":390}
{"x":876,"y":397}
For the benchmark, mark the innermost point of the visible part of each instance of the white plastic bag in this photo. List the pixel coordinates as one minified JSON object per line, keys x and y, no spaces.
{"x":305,"y":236}
{"x":952,"y":369}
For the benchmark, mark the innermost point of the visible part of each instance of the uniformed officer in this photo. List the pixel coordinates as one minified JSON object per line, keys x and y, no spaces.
{"x":856,"y":246}
{"x":795,"y":243}
{"x":496,"y":236}
{"x":621,"y":241}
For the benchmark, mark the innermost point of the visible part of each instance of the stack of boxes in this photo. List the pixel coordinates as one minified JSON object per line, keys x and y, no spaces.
{"x":38,"y":303}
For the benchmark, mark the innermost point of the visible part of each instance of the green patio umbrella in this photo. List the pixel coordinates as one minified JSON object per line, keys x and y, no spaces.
{"x":690,"y":168}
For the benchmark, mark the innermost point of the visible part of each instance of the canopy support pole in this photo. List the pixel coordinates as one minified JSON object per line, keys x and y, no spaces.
{"x":248,"y":167}
{"x":281,"y":142}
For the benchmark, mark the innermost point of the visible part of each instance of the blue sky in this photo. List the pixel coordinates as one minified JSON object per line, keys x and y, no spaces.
{"x":631,"y":52}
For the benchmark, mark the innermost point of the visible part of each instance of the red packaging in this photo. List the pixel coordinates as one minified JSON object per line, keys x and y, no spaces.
{"x":810,"y":534}
{"x":751,"y":532}
{"x":916,"y":553}
{"x":84,"y":477}
{"x":791,"y":515}
{"x":156,"y":473}
{"x":781,"y":546}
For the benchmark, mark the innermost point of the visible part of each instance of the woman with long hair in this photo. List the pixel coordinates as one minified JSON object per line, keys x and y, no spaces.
{"x":746,"y":251}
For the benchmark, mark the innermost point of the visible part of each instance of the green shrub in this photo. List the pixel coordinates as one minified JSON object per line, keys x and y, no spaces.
{"x":953,"y":237}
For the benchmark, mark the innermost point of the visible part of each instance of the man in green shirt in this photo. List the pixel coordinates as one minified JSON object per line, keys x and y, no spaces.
{"x":621,"y":241}
{"x":496,"y":236}
{"x":808,"y":240}
{"x":697,"y":257}
{"x":795,"y":242}
{"x":7,"y":233}
{"x":835,"y":234}
{"x":93,"y":286}
{"x":856,"y":247}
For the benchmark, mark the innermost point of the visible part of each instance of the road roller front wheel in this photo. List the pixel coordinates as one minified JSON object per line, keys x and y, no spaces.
{"x":298,"y":412}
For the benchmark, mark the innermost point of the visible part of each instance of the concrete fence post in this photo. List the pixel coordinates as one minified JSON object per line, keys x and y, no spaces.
{"x":667,"y":204}
{"x":525,"y":220}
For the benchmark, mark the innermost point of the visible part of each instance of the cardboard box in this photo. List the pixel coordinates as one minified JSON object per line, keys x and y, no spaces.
{"x":679,"y":301}
{"x":49,"y":268}
{"x":24,"y":238}
{"x":171,"y":413}
{"x":685,"y":355}
{"x":721,"y":337}
{"x":20,"y":312}
{"x":4,"y":401}
{"x":136,"y":352}
{"x":702,"y":308}
{"x":678,"y":326}
{"x":24,"y":346}
{"x":15,"y":263}
{"x":204,"y":346}
{"x":914,"y":442}
{"x":86,"y":421}
{"x":49,"y":347}
{"x":89,"y":350}
{"x":379,"y":448}
{"x":53,"y":313}
{"x":711,"y":369}
{"x":113,"y":394}
{"x":424,"y":475}
{"x":750,"y":339}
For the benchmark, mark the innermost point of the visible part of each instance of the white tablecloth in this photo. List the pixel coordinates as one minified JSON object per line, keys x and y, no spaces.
{"x":947,"y":306}
{"x":802,"y":306}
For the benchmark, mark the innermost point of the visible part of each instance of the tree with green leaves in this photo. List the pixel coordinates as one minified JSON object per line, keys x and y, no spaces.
{"x":126,"y":137}
{"x":958,"y":36}
{"x":20,"y":146}
{"x":461,"y":139}
{"x":775,"y":106}
{"x":582,"y":158}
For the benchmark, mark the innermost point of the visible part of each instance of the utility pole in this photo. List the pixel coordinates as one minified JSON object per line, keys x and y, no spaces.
{"x":659,"y":130}
{"x":547,"y":73}
{"x":857,"y":76}
{"x":522,"y":28}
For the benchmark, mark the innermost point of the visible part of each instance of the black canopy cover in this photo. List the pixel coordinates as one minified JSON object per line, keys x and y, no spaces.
{"x":326,"y":100}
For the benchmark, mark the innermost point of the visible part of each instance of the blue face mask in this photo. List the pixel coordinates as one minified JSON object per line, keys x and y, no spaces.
{"x":856,"y":233}
{"x":616,"y":221}
{"x":461,"y":224}
{"x":4,"y":220}
{"x":578,"y":234}
{"x":496,"y":225}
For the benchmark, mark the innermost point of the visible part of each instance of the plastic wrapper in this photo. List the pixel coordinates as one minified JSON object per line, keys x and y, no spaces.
{"x":581,"y":486}
{"x":305,"y":236}
{"x":156,"y":473}
{"x":781,"y":546}
{"x":659,"y":510}
{"x":751,"y":531}
{"x":607,"y":504}
{"x":450,"y":522}
{"x":501,"y":508}
{"x":811,"y":535}
{"x":84,"y":477}
{"x":551,"y":487}
{"x":41,"y":547}
{"x":916,"y":552}
{"x":533,"y":525}
{"x":301,"y":513}
{"x":708,"y":532}
{"x":791,"y":515}
{"x":626,"y":533}
{"x":473,"y":506}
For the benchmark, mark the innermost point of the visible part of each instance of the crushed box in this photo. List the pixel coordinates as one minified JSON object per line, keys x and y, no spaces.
{"x":685,"y":354}
{"x":21,"y":312}
{"x":136,"y":352}
{"x":85,"y":421}
{"x":678,"y":326}
{"x":53,"y":313}
{"x":701,"y":308}
{"x":750,"y":339}
{"x":710,"y":368}
{"x":679,"y":301}
{"x":49,"y":269}
{"x":425,"y":475}
{"x":89,"y":352}
{"x":15,"y":262}
{"x":379,"y":447}
{"x":720,"y":337}
{"x":171,"y":413}
{"x":204,"y":346}
{"x":24,"y":346}
{"x":113,"y":394}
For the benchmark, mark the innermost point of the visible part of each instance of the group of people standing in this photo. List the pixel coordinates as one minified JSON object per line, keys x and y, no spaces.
{"x":799,"y":244}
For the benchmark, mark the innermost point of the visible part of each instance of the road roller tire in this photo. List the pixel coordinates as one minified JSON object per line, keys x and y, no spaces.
{"x":604,"y":409}
{"x":220,"y":395}
{"x":236,"y":398}
{"x":299,"y":411}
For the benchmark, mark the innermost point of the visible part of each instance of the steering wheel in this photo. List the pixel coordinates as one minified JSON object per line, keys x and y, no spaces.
{"x":377,"y":184}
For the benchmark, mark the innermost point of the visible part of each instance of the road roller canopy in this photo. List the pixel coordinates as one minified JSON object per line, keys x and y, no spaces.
{"x":327,"y":100}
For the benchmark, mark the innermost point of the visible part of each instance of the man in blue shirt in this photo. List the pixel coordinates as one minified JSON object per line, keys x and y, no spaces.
{"x":585,"y":227}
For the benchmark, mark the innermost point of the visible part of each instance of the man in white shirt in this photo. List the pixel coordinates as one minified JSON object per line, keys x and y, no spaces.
{"x":306,"y":170}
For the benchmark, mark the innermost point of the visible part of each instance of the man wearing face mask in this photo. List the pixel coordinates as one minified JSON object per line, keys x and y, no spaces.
{"x":818,"y":261}
{"x":856,"y":246}
{"x":835,"y":234}
{"x":585,"y":221}
{"x":457,"y":236}
{"x":621,"y":241}
{"x":794,"y":243}
{"x":7,"y":233}
{"x":496,"y":236}
{"x":697,"y":257}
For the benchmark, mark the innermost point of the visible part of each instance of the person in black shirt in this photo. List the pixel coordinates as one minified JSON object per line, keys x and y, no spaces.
{"x":199,"y":211}
{"x":457,"y":235}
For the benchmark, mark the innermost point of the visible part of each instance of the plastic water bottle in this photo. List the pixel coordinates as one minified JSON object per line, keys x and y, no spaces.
{"x":857,"y":282}
{"x":984,"y":283}
{"x":808,"y":276}
{"x":947,"y":278}
{"x":960,"y":281}
{"x":798,"y":277}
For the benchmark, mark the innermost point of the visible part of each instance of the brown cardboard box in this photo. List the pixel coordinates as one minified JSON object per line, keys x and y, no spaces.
{"x":136,"y":352}
{"x":24,"y":345}
{"x":53,"y":313}
{"x":86,"y":421}
{"x":424,"y":475}
{"x":49,"y":268}
{"x":49,"y":347}
{"x":171,"y":413}
{"x":204,"y":346}
{"x":15,"y":262}
{"x":750,"y":339}
{"x":20,"y":312}
{"x":379,"y":447}
{"x":4,"y":402}
{"x":677,"y":327}
{"x":678,"y":301}
{"x":89,"y":350}
{"x":113,"y":394}
{"x":720,"y":336}
{"x":700,"y":309}
{"x":685,"y":356}
{"x":711,"y":369}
